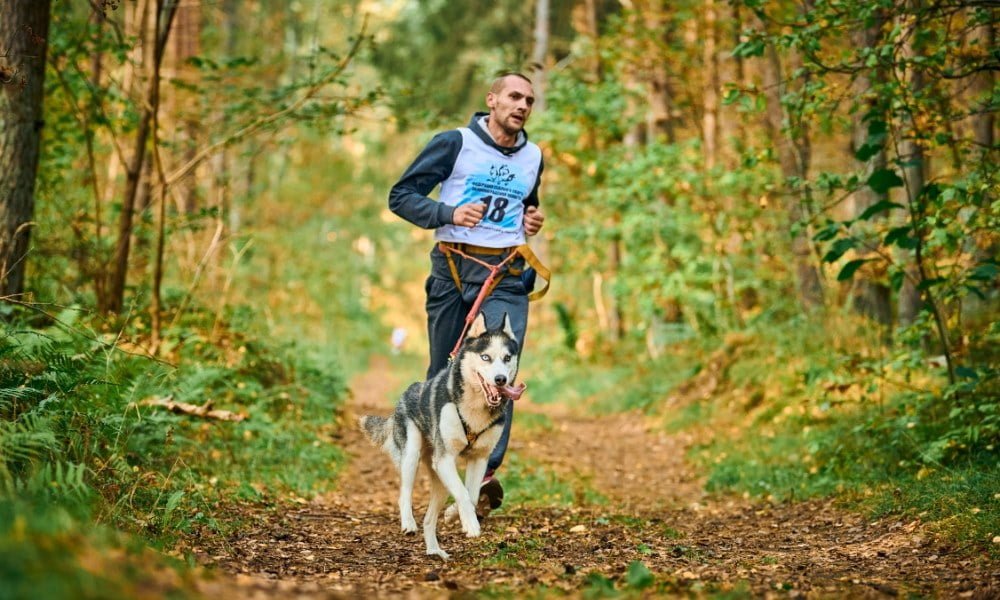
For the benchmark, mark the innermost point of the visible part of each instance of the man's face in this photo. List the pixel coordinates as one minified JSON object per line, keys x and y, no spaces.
{"x":511,"y":106}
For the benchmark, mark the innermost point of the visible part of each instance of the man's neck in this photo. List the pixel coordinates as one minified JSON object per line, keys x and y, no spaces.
{"x":501,"y":137}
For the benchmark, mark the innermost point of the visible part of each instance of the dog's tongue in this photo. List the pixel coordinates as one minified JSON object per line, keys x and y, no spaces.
{"x":513,"y":393}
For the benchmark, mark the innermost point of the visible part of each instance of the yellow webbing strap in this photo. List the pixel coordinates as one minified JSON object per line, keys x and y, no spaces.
{"x":452,"y":268}
{"x":529,"y":257}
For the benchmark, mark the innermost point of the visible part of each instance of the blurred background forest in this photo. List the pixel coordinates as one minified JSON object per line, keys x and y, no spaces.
{"x":773,"y":223}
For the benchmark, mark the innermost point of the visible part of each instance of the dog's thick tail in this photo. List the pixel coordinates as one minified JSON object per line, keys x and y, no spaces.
{"x":377,"y":429}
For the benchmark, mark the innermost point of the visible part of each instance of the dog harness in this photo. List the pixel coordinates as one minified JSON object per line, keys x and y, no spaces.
{"x":472,"y":437}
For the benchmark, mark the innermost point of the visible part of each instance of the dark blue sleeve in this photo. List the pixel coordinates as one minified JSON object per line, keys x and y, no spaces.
{"x":408,"y":198}
{"x":532,"y":198}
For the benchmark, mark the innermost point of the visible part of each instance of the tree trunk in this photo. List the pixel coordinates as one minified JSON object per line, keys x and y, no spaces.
{"x":187,"y":43}
{"x":591,"y":20}
{"x":984,"y":121}
{"x":24,"y":31}
{"x":912,"y":153}
{"x":659,"y":122}
{"x":710,"y":116}
{"x":115,"y":298}
{"x":731,"y":70}
{"x":793,"y":155}
{"x":540,"y":52}
{"x":984,"y":124}
{"x":872,"y":298}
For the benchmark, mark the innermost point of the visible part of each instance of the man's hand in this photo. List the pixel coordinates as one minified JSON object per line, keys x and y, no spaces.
{"x":468,"y":215}
{"x":533,"y":220}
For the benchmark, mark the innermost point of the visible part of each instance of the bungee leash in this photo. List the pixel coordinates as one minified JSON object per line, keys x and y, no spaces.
{"x":484,"y":291}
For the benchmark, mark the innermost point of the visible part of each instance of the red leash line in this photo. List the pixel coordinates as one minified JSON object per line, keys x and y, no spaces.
{"x":494,"y":269}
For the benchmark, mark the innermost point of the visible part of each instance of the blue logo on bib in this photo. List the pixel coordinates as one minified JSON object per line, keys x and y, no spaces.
{"x":502,"y":192}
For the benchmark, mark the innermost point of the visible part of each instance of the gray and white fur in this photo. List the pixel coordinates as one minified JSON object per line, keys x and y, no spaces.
{"x":457,"y":415}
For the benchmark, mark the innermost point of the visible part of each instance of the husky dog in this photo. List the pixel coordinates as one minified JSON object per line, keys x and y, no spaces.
{"x":457,"y":414}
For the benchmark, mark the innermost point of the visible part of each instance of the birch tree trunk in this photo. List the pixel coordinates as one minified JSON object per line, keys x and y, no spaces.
{"x":24,"y":31}
{"x":540,"y":52}
{"x":710,"y":102}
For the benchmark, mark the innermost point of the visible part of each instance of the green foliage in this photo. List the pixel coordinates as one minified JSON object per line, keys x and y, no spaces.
{"x":683,"y":242}
{"x":910,"y":73}
{"x":95,"y":90}
{"x":78,"y":443}
{"x":440,"y":57}
{"x":802,"y":422}
{"x":599,"y":586}
{"x":29,"y":569}
{"x":638,"y":576}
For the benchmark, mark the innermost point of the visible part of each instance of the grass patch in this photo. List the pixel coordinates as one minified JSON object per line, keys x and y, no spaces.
{"x":608,"y":388}
{"x":857,"y":462}
{"x":571,"y":381}
{"x":529,"y":484}
{"x":641,"y":524}
{"x":530,"y":421}
{"x":510,"y":554}
{"x":45,"y":552}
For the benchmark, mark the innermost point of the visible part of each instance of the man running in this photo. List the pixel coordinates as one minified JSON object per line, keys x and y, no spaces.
{"x":489,"y":175}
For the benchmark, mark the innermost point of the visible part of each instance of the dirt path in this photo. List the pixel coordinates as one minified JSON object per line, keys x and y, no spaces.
{"x":648,"y":506}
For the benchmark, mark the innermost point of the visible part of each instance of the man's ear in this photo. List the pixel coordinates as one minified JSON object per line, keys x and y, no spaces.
{"x":507,"y":328}
{"x":478,"y":326}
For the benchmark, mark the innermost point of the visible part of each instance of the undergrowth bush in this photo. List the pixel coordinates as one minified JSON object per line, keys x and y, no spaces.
{"x":78,"y":444}
{"x":812,"y":411}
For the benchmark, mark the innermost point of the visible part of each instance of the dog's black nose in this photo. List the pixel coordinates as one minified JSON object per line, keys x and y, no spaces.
{"x":500,"y":379}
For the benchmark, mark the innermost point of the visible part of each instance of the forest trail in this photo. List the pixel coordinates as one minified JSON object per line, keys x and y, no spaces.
{"x":645,"y":503}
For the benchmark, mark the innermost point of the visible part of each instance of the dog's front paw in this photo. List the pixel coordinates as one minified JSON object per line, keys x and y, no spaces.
{"x":473,"y":529}
{"x":451,"y":513}
{"x":409,"y":525}
{"x":438,"y":553}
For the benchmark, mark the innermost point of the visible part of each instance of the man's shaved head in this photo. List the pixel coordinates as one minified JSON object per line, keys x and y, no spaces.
{"x":501,"y":81}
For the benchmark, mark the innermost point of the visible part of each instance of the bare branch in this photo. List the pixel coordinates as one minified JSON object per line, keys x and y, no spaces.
{"x":204,"y":411}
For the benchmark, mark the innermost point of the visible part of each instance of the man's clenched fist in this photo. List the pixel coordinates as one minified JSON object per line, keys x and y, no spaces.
{"x":468,"y":215}
{"x":533,"y":220}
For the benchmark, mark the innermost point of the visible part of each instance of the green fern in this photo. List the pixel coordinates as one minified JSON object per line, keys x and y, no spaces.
{"x":30,"y":437}
{"x":56,"y":479}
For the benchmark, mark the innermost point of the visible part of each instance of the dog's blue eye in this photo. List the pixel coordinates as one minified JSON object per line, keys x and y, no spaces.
{"x":485,"y":357}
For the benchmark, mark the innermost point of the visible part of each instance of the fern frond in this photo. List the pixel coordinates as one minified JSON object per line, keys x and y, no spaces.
{"x":56,"y":479}
{"x":28,"y":438}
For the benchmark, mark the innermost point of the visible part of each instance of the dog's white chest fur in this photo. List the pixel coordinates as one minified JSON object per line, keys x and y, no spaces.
{"x":474,"y":441}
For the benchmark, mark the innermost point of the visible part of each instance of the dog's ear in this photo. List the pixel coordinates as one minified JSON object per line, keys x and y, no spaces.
{"x":507,"y":328}
{"x":478,"y":326}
